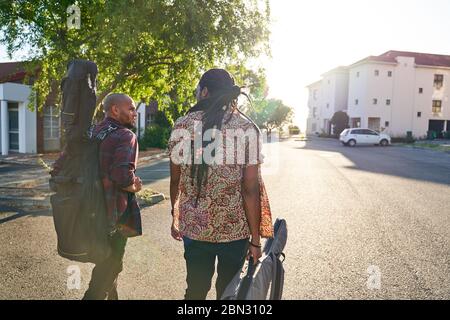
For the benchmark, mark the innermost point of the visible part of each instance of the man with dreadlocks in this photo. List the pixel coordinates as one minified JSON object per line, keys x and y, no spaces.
{"x":220,"y":208}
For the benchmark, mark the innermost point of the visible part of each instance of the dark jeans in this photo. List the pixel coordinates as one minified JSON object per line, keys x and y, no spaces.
{"x":200,"y":264}
{"x":103,"y":282}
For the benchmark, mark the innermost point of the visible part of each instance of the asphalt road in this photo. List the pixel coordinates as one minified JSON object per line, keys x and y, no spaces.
{"x":364,"y":223}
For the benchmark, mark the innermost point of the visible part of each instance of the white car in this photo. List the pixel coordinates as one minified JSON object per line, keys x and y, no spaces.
{"x":353,"y":136}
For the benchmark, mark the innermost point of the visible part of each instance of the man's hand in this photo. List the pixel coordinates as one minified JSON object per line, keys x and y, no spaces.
{"x":135,"y":187}
{"x":175,"y":232}
{"x":255,"y":253}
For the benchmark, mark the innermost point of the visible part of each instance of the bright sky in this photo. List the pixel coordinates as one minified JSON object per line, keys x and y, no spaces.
{"x":310,"y":37}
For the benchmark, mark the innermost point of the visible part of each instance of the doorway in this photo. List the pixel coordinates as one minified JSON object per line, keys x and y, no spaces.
{"x":13,"y":126}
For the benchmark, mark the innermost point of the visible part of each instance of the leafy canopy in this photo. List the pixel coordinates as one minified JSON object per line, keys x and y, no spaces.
{"x":146,"y":48}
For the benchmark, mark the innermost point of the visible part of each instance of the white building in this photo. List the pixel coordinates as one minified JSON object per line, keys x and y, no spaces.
{"x":399,"y":92}
{"x":326,"y":97}
{"x":17,"y":122}
{"x":395,"y":92}
{"x":27,"y":131}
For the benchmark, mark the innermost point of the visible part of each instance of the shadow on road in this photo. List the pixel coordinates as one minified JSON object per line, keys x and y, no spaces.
{"x":16,"y":213}
{"x":424,"y":165}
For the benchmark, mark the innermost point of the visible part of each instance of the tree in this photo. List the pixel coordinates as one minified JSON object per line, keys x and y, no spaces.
{"x":340,"y":121}
{"x":271,"y":114}
{"x":148,"y":49}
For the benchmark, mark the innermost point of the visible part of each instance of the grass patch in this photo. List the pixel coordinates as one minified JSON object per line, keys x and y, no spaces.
{"x":432,"y":146}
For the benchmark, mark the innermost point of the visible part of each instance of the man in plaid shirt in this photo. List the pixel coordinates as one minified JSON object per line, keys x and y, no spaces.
{"x":118,"y":159}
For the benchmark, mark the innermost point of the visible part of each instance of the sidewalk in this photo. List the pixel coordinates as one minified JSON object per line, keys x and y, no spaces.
{"x":24,"y":178}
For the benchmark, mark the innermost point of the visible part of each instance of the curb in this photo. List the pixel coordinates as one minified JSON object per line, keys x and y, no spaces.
{"x":45,"y":201}
{"x":38,"y":201}
{"x":153,"y":157}
{"x":28,"y":183}
{"x":154,"y":199}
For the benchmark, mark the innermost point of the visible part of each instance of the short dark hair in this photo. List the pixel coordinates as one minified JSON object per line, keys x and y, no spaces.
{"x":114,"y":99}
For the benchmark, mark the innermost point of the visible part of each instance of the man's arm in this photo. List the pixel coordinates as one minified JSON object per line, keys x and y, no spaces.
{"x":175,"y":173}
{"x":123,"y":166}
{"x":252,"y":205}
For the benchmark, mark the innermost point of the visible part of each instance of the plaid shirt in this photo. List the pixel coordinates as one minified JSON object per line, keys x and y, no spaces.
{"x":118,"y":159}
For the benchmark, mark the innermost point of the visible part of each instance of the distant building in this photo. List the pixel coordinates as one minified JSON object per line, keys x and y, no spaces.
{"x":18,"y":125}
{"x":394,"y":92}
{"x":326,"y":97}
{"x":399,"y":92}
{"x":146,"y":115}
{"x":27,"y":131}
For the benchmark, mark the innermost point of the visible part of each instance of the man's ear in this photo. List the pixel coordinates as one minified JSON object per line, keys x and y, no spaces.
{"x":114,"y":110}
{"x":204,"y":92}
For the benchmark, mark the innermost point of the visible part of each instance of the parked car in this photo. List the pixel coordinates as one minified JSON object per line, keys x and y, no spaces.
{"x":353,"y":136}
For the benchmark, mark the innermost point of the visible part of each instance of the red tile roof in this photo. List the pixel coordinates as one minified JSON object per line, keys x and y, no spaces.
{"x":12,"y":72}
{"x":423,"y":59}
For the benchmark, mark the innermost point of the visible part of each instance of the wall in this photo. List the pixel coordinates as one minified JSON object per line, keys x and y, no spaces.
{"x":27,"y":119}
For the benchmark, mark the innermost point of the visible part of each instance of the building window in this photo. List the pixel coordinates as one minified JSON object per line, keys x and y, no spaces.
{"x":438,"y":81}
{"x":388,"y":102}
{"x":51,"y":123}
{"x":437,"y":106}
{"x":375,"y":101}
{"x":419,"y":114}
{"x":314,"y":112}
{"x":377,"y":73}
{"x":356,"y":102}
{"x":329,"y":82}
{"x":357,"y":74}
{"x":389,"y":73}
{"x":328,"y":105}
{"x":13,"y":126}
{"x":420,"y":90}
{"x":315,"y":94}
{"x":386,"y":124}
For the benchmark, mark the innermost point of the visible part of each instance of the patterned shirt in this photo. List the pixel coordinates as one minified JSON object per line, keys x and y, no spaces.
{"x":219,"y":215}
{"x":118,"y":159}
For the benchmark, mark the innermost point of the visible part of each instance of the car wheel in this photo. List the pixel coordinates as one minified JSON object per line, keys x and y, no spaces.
{"x":351,"y":142}
{"x":384,"y":143}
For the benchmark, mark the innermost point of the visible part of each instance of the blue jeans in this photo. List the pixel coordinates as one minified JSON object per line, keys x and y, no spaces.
{"x":200,"y":259}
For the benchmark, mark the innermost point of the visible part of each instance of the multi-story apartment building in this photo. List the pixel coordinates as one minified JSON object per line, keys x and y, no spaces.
{"x":399,"y":91}
{"x":395,"y":92}
{"x":326,"y":97}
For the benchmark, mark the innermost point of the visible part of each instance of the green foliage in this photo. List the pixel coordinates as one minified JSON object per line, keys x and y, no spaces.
{"x":155,"y":136}
{"x":147,"y":49}
{"x":294,"y":130}
{"x":162,"y":120}
{"x":271,"y":114}
{"x":340,"y":121}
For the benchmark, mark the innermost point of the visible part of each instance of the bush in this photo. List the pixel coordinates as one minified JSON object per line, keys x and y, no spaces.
{"x":294,"y":130}
{"x":326,"y":135}
{"x":431,"y":135}
{"x":155,"y":136}
{"x":399,"y":139}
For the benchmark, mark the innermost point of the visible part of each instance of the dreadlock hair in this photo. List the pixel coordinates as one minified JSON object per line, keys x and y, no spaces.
{"x":222,"y":99}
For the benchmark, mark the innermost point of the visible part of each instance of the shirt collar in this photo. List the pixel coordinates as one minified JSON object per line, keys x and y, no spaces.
{"x":113,"y":121}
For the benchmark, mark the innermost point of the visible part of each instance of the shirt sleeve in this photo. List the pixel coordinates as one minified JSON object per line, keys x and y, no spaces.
{"x":123,"y":165}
